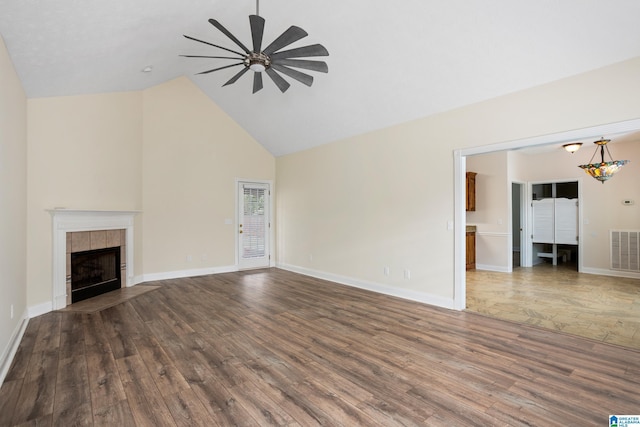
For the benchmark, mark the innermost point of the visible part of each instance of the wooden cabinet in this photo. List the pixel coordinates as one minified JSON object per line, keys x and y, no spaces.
{"x":471,"y":250}
{"x":471,"y":191}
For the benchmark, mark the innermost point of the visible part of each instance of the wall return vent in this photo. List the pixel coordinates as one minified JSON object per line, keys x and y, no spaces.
{"x":625,"y":250}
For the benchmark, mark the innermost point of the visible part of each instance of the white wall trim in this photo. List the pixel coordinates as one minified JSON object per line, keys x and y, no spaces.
{"x":40,"y":309}
{"x":611,"y":273}
{"x":422,"y":297}
{"x":14,"y":342}
{"x":498,"y":268}
{"x":493,"y":233}
{"x":180,"y":274}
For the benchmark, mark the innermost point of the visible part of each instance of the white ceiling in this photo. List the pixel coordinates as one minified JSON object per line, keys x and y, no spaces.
{"x":389,"y":62}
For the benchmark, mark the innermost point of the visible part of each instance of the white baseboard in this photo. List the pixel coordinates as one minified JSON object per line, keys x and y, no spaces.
{"x":612,"y":273}
{"x":10,"y":352}
{"x":40,"y":309}
{"x":186,"y":273}
{"x":498,"y":268}
{"x":422,"y":297}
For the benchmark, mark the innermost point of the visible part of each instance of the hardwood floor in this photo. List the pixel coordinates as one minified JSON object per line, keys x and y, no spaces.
{"x":271,"y":347}
{"x":559,"y":298}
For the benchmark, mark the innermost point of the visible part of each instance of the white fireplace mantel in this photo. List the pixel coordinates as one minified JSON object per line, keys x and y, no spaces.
{"x":70,"y":220}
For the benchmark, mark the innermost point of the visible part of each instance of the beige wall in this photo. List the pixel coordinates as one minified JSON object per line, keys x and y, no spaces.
{"x":193,"y":152}
{"x":377,"y":200}
{"x":13,"y":186}
{"x":492,"y":215}
{"x":384,"y":198}
{"x":84,"y":152}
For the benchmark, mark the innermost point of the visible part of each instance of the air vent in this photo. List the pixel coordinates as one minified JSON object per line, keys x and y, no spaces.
{"x":625,"y":250}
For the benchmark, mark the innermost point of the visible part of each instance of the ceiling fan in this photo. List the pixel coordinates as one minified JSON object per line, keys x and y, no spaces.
{"x":271,"y":60}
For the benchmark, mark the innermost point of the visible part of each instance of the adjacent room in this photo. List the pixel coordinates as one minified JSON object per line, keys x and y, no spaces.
{"x":526,"y":274}
{"x":214,"y":214}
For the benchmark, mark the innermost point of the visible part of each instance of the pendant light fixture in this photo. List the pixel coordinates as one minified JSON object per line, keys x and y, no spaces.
{"x":604,"y":170}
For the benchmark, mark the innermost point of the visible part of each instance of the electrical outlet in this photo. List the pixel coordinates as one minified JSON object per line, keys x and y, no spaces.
{"x":310,"y":257}
{"x":387,"y":271}
{"x":189,"y":258}
{"x":407,"y":274}
{"x":12,"y":311}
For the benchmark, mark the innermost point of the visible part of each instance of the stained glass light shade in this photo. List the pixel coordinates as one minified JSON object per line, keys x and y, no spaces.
{"x":604,"y":170}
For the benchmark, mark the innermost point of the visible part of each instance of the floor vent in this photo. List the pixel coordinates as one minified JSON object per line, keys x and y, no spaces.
{"x":625,"y":250}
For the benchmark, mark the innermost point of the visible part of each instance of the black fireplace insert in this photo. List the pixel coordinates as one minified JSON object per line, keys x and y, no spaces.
{"x":94,"y":273}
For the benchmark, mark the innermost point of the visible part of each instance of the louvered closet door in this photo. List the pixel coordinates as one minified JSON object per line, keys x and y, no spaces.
{"x":253,"y":225}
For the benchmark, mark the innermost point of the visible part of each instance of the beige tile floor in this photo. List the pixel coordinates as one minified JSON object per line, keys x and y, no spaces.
{"x":599,"y":307}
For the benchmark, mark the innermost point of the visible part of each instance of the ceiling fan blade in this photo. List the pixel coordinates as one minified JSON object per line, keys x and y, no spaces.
{"x":228,"y":34}
{"x":257,"y":82}
{"x":293,"y":34}
{"x":237,"y":76}
{"x":311,"y":50}
{"x":282,"y":84}
{"x":214,"y":57}
{"x":294,"y":74}
{"x":214,"y":45}
{"x":319,"y":66}
{"x":221,"y":68}
{"x":257,"y":31}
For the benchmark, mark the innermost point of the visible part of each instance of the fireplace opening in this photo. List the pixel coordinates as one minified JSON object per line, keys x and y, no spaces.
{"x":94,"y":273}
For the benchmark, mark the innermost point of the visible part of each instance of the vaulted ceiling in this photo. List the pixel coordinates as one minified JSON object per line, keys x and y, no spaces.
{"x":389,"y":62}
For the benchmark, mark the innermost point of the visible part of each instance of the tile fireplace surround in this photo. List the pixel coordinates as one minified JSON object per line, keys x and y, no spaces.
{"x":88,"y":227}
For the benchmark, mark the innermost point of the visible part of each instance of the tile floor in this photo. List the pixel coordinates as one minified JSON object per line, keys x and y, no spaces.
{"x":603,"y":308}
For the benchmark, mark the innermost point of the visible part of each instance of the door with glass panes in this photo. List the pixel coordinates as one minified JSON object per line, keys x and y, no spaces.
{"x":253,"y":225}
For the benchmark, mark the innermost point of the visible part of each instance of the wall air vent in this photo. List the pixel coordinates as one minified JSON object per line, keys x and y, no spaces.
{"x":625,"y":250}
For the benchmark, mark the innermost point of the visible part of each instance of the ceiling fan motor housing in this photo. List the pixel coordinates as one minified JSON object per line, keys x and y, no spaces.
{"x":257,"y":61}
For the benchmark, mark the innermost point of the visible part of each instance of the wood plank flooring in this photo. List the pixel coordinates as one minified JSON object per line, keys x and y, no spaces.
{"x":559,"y":298}
{"x":270,"y":347}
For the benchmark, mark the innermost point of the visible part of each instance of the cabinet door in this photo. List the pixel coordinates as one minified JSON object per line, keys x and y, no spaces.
{"x":471,"y":250}
{"x":471,"y":191}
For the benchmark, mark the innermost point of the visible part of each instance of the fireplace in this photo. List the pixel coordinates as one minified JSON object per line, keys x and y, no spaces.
{"x":77,"y":231}
{"x":94,"y":273}
{"x":96,"y":263}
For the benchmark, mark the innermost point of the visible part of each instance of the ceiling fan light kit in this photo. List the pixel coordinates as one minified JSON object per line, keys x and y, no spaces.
{"x":271,"y":60}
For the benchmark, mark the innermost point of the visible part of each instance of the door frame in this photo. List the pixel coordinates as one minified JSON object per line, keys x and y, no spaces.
{"x":269,"y":183}
{"x":459,"y":167}
{"x":522,"y":213}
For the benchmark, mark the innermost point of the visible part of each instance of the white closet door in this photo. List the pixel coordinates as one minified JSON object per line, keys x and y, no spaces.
{"x":566,"y":221}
